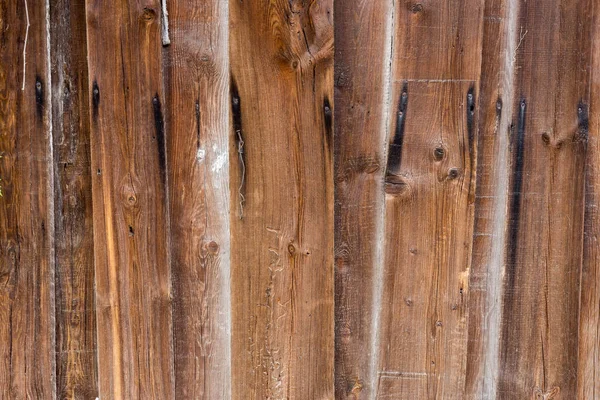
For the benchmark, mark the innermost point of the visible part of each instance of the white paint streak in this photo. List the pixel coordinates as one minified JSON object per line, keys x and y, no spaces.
{"x":219,"y":162}
{"x":200,"y":154}
{"x":25,"y":45}
{"x":379,"y":258}
{"x":495,"y":273}
{"x":166,"y":40}
{"x":49,"y":181}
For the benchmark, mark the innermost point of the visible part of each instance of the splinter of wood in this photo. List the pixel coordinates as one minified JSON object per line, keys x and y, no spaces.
{"x":236,"y":110}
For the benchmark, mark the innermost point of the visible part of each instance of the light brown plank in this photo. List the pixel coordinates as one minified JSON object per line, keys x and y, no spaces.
{"x":27,"y":363}
{"x":429,"y":184}
{"x":197,"y":117}
{"x":76,"y":351}
{"x":282,"y":259}
{"x":362,"y":68}
{"x":133,"y":294}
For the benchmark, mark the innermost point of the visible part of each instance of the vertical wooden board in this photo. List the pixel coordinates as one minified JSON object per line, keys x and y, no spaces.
{"x":27,"y":364}
{"x":281,"y":172}
{"x":428,"y":225}
{"x":133,"y":294}
{"x":538,"y":348}
{"x":496,"y":96}
{"x":76,"y":362}
{"x":430,"y":186}
{"x":197,"y":92}
{"x":588,"y":373}
{"x":362,"y":43}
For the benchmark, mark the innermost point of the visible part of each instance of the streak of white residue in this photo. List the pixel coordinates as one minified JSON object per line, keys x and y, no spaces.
{"x":219,"y":162}
{"x":25,"y":44}
{"x":165,"y":24}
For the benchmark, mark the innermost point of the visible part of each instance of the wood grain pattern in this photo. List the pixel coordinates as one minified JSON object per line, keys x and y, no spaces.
{"x":588,"y":373}
{"x":363,"y":46}
{"x":27,"y":338}
{"x":281,"y":55}
{"x":545,"y":230}
{"x":76,"y":361}
{"x":133,"y":288}
{"x":429,"y":185}
{"x":197,"y":92}
{"x":195,"y":204}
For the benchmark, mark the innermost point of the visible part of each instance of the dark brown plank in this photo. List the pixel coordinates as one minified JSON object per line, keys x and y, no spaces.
{"x":133,"y":288}
{"x":27,"y":363}
{"x":363,"y":46}
{"x":197,"y":116}
{"x":76,"y":362}
{"x":538,"y":337}
{"x":281,"y":55}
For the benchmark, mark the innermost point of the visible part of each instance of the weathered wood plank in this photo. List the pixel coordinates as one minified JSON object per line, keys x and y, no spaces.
{"x":588,"y":372}
{"x":362,"y":67}
{"x":538,"y":336}
{"x":497,"y":95}
{"x":133,"y":293}
{"x":27,"y":363}
{"x":197,"y":117}
{"x":76,"y":351}
{"x":281,"y":173}
{"x":429,"y":185}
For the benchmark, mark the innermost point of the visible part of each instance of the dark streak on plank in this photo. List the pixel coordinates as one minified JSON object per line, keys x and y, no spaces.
{"x":395,"y":148}
{"x":39,"y":97}
{"x":159,"y":126}
{"x":95,"y":101}
{"x":515,"y":197}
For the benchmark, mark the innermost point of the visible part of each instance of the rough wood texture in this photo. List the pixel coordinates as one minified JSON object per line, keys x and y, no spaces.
{"x":538,"y":338}
{"x":197,"y":92}
{"x":429,"y":187}
{"x":195,"y":205}
{"x":281,"y":55}
{"x":133,"y":288}
{"x":76,"y":362}
{"x":27,"y":338}
{"x":361,"y":104}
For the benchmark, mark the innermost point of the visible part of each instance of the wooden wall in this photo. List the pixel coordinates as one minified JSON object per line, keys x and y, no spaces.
{"x":294,"y":199}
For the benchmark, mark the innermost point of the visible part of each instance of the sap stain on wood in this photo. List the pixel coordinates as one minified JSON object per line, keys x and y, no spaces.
{"x":159,"y":126}
{"x":39,"y":97}
{"x":236,"y":111}
{"x":95,"y":101}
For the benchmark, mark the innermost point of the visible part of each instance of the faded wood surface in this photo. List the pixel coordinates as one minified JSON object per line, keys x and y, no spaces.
{"x":76,"y":350}
{"x":197,"y":120}
{"x":299,"y":199}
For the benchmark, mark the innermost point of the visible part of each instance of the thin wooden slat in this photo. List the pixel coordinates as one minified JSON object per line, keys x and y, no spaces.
{"x":362,"y":43}
{"x":133,"y":294}
{"x":76,"y":351}
{"x":496,"y":97}
{"x":538,"y":342}
{"x":27,"y":364}
{"x":588,"y":372}
{"x":281,"y":173}
{"x":429,"y":185}
{"x":197,"y":117}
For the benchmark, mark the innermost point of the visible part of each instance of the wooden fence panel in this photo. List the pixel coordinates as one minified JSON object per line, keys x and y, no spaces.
{"x":195,"y":204}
